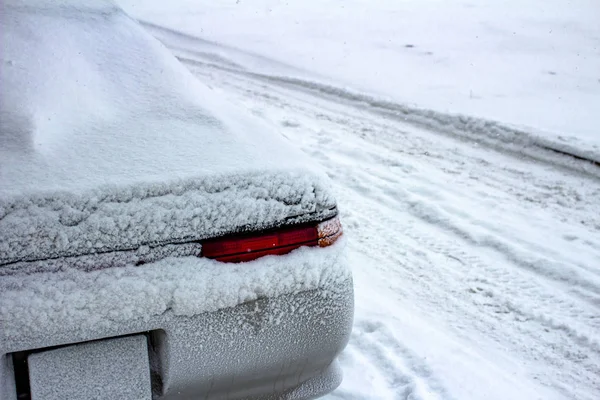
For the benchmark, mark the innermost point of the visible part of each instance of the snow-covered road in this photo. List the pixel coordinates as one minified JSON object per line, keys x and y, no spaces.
{"x":476,"y":261}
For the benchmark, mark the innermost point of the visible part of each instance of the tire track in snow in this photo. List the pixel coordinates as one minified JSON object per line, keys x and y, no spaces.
{"x":401,"y":371}
{"x":482,"y":273}
{"x":498,"y":295}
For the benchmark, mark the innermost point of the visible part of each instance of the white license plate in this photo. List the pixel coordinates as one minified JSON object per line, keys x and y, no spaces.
{"x":106,"y":369}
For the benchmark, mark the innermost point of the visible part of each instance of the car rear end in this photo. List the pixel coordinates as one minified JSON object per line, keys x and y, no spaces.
{"x":155,"y":241}
{"x":271,"y":327}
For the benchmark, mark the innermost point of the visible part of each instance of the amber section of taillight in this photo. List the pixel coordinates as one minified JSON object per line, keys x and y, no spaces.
{"x":329,"y":231}
{"x":247,"y":247}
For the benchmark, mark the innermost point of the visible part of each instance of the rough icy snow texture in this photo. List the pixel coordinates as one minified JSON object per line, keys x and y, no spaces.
{"x":109,"y":219}
{"x":75,"y":300}
{"x":107,"y":142}
{"x":102,"y":370}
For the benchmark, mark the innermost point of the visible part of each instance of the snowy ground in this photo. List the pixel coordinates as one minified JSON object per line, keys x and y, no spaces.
{"x":476,"y":261}
{"x":532,"y":63}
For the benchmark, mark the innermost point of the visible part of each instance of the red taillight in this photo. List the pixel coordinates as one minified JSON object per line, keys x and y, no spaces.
{"x":246,"y":247}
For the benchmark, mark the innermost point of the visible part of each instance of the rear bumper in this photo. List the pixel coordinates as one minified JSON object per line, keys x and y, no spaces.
{"x":272,"y":347}
{"x":284,"y":348}
{"x":262,"y":349}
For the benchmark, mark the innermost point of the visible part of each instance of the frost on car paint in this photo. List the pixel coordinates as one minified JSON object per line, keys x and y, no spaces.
{"x":34,"y":306}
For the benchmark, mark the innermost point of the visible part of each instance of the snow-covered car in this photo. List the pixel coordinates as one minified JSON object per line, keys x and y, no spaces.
{"x":156,"y":241}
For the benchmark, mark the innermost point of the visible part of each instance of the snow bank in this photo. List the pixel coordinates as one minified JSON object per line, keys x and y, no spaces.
{"x":532,"y":64}
{"x":107,"y":142}
{"x":75,"y":300}
{"x":203,"y":57}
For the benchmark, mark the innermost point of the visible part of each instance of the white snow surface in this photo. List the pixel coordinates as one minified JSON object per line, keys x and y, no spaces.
{"x":476,"y":262}
{"x":107,"y":142}
{"x":73,"y":300}
{"x":476,"y":259}
{"x":532,"y":64}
